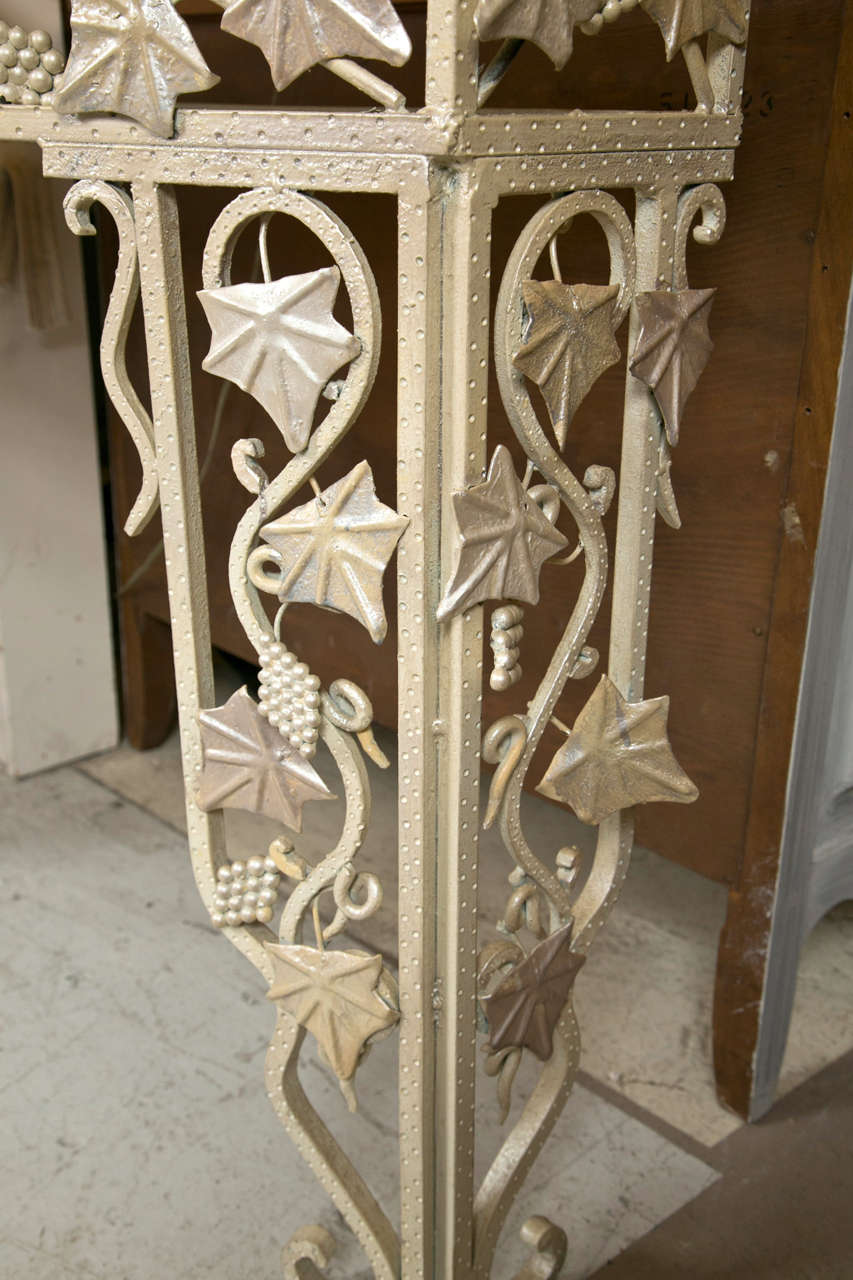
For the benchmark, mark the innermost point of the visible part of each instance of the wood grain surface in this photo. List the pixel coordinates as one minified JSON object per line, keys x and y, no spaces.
{"x":743,"y":945}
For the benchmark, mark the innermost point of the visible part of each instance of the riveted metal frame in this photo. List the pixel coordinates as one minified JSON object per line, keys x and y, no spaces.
{"x":448,"y":165}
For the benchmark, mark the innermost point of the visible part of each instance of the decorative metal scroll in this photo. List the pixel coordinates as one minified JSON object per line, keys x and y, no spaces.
{"x":617,"y":755}
{"x":345,"y":999}
{"x":551,"y":24}
{"x":471,"y":527}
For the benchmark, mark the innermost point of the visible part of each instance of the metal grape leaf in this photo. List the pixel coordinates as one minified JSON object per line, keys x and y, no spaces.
{"x":133,"y":57}
{"x":616,"y":756}
{"x":568,"y":343}
{"x":334,"y":551}
{"x":683,"y":20}
{"x":547,"y":23}
{"x":294,"y":35}
{"x":524,"y":1009}
{"x":248,"y":765}
{"x":506,"y":538}
{"x":673,"y":347}
{"x":333,"y":995}
{"x":280,"y":342}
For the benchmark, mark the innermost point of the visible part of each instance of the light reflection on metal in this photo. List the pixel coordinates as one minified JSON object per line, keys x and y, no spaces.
{"x":673,"y":347}
{"x":617,"y":755}
{"x":525,"y":1007}
{"x":684,"y":20}
{"x":134,"y":57}
{"x":280,"y":342}
{"x":447,"y":165}
{"x":333,"y":994}
{"x":568,"y":343}
{"x":247,"y":765}
{"x":294,"y":35}
{"x":549,"y":24}
{"x":505,"y":538}
{"x":333,"y":551}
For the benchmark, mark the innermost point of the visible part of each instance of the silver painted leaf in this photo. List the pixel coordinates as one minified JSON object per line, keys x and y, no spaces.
{"x":568,"y":343}
{"x":280,"y":342}
{"x":333,"y":994}
{"x":673,"y":347}
{"x":133,"y":57}
{"x":248,"y":765}
{"x":296,"y":34}
{"x":549,"y":24}
{"x":616,"y":756}
{"x":505,"y":539}
{"x":683,"y":20}
{"x":333,"y":551}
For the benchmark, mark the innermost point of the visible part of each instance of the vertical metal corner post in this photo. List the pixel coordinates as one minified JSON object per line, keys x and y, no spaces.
{"x":443,"y":345}
{"x":170,"y":378}
{"x":654,"y":236}
{"x":418,"y":488}
{"x":443,"y":374}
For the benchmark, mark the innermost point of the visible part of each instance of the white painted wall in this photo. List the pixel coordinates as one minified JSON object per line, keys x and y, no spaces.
{"x":57,"y":671}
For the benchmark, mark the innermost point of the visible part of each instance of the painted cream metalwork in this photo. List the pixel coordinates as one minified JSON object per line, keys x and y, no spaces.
{"x":568,"y":343}
{"x":280,"y":342}
{"x":548,"y":23}
{"x":248,"y":766}
{"x":506,"y":533}
{"x":483,"y":530}
{"x":29,"y":65}
{"x":295,"y":35}
{"x":246,"y":893}
{"x":683,"y":20}
{"x":673,"y":347}
{"x":334,"y":994}
{"x":119,"y":314}
{"x":134,"y":57}
{"x":505,"y":640}
{"x":617,"y":755}
{"x":333,"y":551}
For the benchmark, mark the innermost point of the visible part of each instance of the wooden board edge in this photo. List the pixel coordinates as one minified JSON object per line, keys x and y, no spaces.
{"x":744,"y":939}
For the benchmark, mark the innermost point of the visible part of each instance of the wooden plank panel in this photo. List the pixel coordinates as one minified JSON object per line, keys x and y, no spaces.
{"x":743,"y":944}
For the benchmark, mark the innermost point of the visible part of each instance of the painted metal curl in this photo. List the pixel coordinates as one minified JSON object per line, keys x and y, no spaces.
{"x":125,"y":291}
{"x":348,"y":884}
{"x":308,"y":1253}
{"x":540,"y":1113}
{"x":245,"y":464}
{"x":549,"y":1246}
{"x":708,"y":200}
{"x":348,"y":706}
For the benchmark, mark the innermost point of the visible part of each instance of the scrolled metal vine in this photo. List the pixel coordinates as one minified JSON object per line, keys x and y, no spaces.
{"x":542,"y":889}
{"x":705,"y":201}
{"x":125,"y":291}
{"x":346,"y":712}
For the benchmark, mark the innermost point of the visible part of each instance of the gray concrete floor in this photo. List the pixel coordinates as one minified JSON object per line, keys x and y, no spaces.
{"x":136,"y":1141}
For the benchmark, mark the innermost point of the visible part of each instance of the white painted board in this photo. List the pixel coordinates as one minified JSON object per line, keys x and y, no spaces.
{"x":57,"y":669}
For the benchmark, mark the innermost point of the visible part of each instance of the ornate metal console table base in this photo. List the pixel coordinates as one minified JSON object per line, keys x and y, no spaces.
{"x":466,"y":528}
